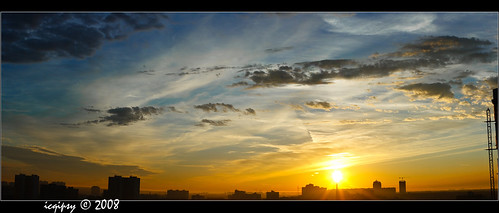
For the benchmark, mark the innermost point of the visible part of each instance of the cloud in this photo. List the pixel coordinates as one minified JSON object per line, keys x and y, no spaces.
{"x":214,"y":122}
{"x":438,"y":91}
{"x":450,"y":49}
{"x":213,"y":107}
{"x":320,"y":105}
{"x":126,"y":115}
{"x":91,"y":110}
{"x":427,"y":52}
{"x":122,"y":116}
{"x":364,"y":121}
{"x":39,"y":37}
{"x":250,"y":111}
{"x":173,"y":109}
{"x":381,"y":23}
{"x":327,"y":64}
{"x":479,"y":95}
{"x":47,"y":160}
{"x":491,"y":81}
{"x":279,"y":49}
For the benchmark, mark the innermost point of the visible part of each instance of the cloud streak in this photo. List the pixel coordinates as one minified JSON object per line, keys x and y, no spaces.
{"x":48,"y":160}
{"x":214,"y":122}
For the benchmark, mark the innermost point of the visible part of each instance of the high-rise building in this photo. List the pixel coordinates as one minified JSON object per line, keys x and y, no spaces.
{"x":123,"y":188}
{"x":402,"y":188}
{"x":27,"y":187}
{"x":376,"y":185}
{"x":313,"y":192}
{"x":57,"y":191}
{"x":242,"y":195}
{"x":272,"y":195}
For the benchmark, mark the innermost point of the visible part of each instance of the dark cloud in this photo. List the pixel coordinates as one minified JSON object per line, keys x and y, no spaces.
{"x":441,"y":91}
{"x":121,"y":116}
{"x":214,"y":122}
{"x":146,"y":72}
{"x":427,"y":52}
{"x":127,"y":115}
{"x":198,"y":70}
{"x":48,"y":160}
{"x":237,"y":84}
{"x":173,"y":109}
{"x":319,"y":105}
{"x":91,"y":110}
{"x":250,"y":111}
{"x":38,"y":37}
{"x":279,"y":49}
{"x":450,"y":49}
{"x":327,"y":64}
{"x":216,"y":107}
{"x":491,"y":81}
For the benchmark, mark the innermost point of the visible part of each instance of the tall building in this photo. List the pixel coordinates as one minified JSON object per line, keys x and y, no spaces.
{"x":313,"y":192}
{"x":27,"y":187}
{"x":377,"y":185}
{"x":272,"y":195}
{"x":242,"y":195}
{"x":402,"y":188}
{"x":57,"y":191}
{"x":123,"y":188}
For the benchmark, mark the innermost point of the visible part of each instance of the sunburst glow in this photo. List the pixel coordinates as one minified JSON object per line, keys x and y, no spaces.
{"x":337,"y":176}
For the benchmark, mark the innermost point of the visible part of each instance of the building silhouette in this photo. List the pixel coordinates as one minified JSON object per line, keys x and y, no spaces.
{"x":242,"y":195}
{"x":272,"y":195}
{"x":127,"y":188}
{"x":402,"y":186}
{"x":8,"y":190}
{"x":27,"y":187}
{"x":313,"y":192}
{"x":177,"y":195}
{"x":378,"y":190}
{"x":197,"y":197}
{"x":376,"y":185}
{"x":57,"y":191}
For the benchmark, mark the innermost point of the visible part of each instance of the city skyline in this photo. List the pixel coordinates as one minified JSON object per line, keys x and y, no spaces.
{"x":30,"y":187}
{"x":212,"y":102}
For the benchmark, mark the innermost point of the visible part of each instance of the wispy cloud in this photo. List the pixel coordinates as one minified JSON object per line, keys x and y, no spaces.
{"x":387,"y":23}
{"x":44,"y":159}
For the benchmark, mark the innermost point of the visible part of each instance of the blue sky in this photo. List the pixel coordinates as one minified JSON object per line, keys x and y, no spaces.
{"x":182,"y":99}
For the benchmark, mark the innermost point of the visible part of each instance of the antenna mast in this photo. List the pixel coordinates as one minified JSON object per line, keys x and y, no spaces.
{"x":491,"y":156}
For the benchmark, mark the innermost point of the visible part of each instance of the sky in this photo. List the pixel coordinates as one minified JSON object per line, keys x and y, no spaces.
{"x":218,"y":101}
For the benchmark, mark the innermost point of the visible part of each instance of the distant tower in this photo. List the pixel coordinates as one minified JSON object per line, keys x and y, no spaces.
{"x":402,"y":187}
{"x":377,"y":185}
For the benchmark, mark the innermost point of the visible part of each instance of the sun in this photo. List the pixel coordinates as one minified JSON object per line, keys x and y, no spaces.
{"x":337,"y":176}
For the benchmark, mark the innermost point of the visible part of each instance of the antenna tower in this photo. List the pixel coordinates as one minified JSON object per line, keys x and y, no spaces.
{"x":491,"y":156}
